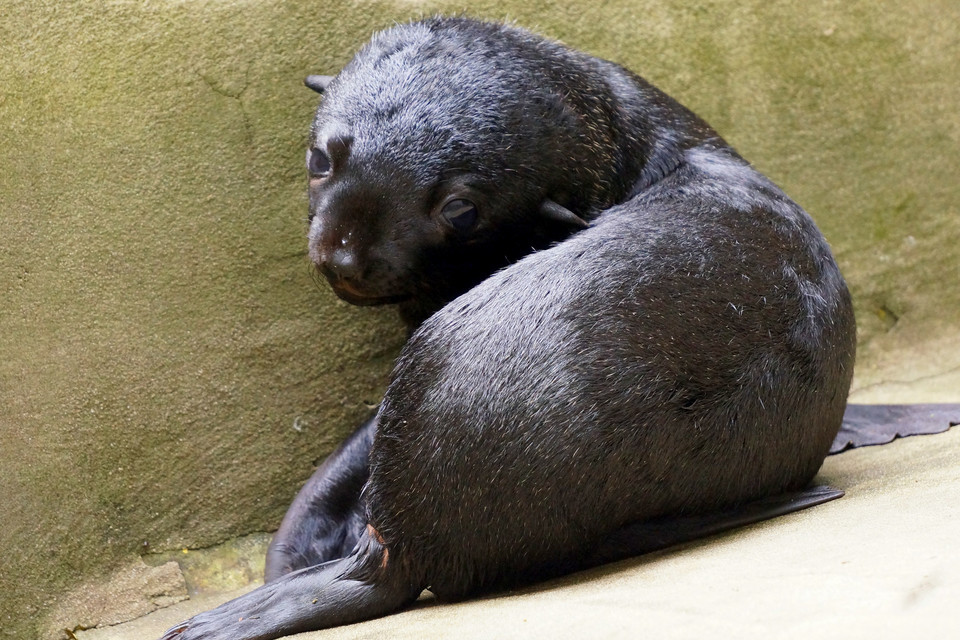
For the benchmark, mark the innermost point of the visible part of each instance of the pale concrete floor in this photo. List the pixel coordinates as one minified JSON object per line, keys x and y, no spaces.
{"x":882,"y":562}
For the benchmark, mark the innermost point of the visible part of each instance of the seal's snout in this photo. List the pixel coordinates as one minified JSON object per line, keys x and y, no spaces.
{"x":343,"y":271}
{"x":335,"y":250}
{"x":339,"y":265}
{"x":348,"y":275}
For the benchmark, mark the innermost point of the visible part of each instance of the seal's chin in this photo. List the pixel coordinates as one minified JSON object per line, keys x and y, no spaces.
{"x":350,"y":294}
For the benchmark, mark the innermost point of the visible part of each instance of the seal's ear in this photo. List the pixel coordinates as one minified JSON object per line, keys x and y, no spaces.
{"x":318,"y":83}
{"x":552,"y":210}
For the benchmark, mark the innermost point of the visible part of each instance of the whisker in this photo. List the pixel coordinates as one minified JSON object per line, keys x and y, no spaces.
{"x":318,"y":280}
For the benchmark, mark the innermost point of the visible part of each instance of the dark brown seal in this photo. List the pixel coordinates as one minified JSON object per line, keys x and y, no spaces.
{"x":619,"y":326}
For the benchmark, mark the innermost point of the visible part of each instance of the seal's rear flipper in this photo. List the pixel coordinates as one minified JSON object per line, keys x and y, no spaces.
{"x":653,"y":535}
{"x":868,"y":424}
{"x":367,"y":584}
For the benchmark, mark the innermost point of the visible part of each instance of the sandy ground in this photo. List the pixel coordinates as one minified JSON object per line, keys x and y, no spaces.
{"x":882,"y":562}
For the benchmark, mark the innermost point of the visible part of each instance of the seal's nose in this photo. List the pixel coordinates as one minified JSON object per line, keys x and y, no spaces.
{"x":340,"y":264}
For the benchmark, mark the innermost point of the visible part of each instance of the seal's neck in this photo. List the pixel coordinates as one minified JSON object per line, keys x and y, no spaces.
{"x":657,"y":132}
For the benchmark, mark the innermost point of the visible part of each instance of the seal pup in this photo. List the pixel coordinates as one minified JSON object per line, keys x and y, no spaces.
{"x":665,"y":335}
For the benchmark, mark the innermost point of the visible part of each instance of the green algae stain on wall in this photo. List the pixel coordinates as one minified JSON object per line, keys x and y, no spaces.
{"x":169,"y":371}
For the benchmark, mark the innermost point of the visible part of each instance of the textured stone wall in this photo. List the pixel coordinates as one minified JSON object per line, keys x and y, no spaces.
{"x":170,"y":373}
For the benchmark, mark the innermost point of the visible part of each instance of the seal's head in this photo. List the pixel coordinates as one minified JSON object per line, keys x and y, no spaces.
{"x":439,"y":155}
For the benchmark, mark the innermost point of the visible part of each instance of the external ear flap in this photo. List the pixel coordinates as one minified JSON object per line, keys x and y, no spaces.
{"x":553,"y":211}
{"x":318,"y":83}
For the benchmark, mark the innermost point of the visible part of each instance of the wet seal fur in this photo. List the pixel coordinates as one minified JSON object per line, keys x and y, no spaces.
{"x":622,"y":333}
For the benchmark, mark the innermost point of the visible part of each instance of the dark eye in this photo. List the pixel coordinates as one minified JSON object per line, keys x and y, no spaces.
{"x":318,"y":163}
{"x":462,"y":214}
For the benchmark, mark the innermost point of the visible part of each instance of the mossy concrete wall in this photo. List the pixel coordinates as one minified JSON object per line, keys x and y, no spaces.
{"x":169,"y":371}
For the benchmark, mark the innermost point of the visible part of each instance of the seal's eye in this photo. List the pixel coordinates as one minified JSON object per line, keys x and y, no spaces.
{"x":318,"y":163}
{"x":461,"y":214}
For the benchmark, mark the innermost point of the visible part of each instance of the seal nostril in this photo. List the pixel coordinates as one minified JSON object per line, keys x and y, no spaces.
{"x":340,"y":265}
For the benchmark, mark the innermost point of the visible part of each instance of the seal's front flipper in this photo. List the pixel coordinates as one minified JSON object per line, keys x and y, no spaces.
{"x":868,"y":424}
{"x":653,"y":535}
{"x":327,"y":517}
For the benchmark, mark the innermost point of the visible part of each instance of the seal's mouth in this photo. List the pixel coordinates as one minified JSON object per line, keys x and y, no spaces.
{"x":349,"y":293}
